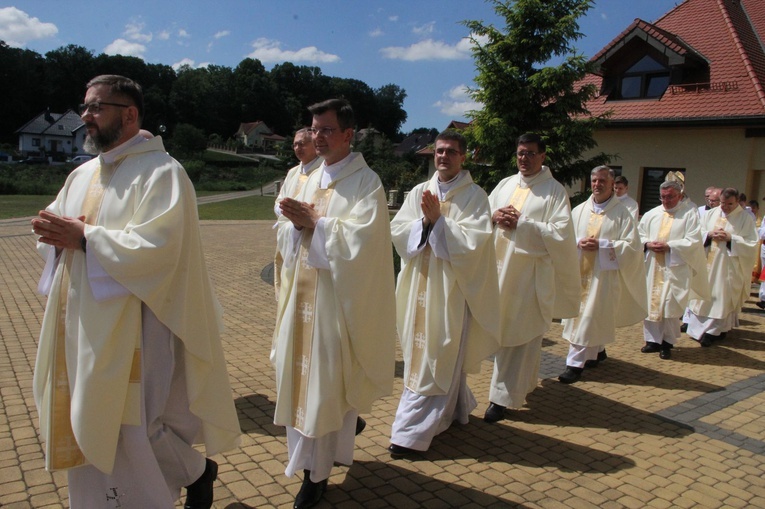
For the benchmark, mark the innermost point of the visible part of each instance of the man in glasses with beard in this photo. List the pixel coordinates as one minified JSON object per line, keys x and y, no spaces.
{"x":130,"y":371}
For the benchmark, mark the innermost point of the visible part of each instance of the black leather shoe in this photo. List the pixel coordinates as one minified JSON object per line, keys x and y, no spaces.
{"x":706,"y":340}
{"x":651,"y":347}
{"x":360,"y":425}
{"x":571,"y":375}
{"x":665,"y":353}
{"x":199,"y":494}
{"x":310,"y":492}
{"x":494,"y":413}
{"x":684,"y":327}
{"x":592,"y":363}
{"x":760,"y":304}
{"x":399,"y":451}
{"x":602,"y":355}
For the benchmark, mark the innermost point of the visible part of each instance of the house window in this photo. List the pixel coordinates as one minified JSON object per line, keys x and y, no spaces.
{"x":652,"y":179}
{"x":646,"y":79}
{"x":35,"y":142}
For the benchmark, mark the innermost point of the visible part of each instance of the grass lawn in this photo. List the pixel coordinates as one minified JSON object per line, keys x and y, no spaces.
{"x":22,"y":205}
{"x":253,"y":207}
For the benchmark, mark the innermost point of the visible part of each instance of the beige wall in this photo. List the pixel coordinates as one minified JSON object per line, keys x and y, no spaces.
{"x":720,"y":156}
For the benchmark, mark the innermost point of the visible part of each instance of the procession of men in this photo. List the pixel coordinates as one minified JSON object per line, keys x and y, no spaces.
{"x":482,"y":277}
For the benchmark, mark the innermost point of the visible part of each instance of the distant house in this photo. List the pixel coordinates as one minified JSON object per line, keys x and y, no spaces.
{"x":413,"y":143}
{"x":686,"y":93}
{"x":257,"y":135}
{"x":56,"y":135}
{"x":376,"y":136}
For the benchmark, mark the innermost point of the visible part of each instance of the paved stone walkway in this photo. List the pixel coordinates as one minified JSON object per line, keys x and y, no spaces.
{"x":635,"y":432}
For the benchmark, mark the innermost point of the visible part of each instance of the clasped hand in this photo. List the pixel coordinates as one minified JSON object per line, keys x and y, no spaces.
{"x":61,"y":232}
{"x":302,"y":214}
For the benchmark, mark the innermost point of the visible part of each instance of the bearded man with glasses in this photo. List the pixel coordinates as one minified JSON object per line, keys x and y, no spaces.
{"x":130,"y":371}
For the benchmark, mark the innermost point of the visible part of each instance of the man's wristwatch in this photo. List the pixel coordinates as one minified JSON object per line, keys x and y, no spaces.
{"x":84,"y":244}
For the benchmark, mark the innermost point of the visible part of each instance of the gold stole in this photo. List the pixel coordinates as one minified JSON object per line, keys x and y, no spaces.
{"x":419,"y":339}
{"x":305,"y":313}
{"x":656,"y":312}
{"x":63,"y":451}
{"x":278,"y":258}
{"x":714,"y":246}
{"x":503,"y":243}
{"x":587,"y":261}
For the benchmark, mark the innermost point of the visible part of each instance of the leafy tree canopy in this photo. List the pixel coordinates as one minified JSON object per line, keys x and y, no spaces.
{"x":521,"y":90}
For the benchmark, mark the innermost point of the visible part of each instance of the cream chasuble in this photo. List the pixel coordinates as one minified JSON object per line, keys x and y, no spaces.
{"x":673,"y":277}
{"x":135,"y":262}
{"x":432,"y":293}
{"x":729,"y":269}
{"x":350,"y":358}
{"x":610,"y":298}
{"x":536,"y":257}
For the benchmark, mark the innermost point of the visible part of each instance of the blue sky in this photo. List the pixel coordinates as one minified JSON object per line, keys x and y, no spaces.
{"x":419,"y":45}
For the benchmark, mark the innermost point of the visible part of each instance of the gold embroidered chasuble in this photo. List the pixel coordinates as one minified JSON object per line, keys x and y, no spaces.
{"x":610,"y":298}
{"x":434,"y":296}
{"x":729,"y":268}
{"x":536,"y":256}
{"x":671,"y":285}
{"x":128,"y":216}
{"x":350,"y":358}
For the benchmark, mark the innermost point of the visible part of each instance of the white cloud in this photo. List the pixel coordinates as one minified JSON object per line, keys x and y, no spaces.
{"x":163,"y":35}
{"x":457,"y":102}
{"x":222,"y":33}
{"x":185,"y":61}
{"x":377,"y":32}
{"x":425,"y":29}
{"x":183,"y":33}
{"x":17,"y":28}
{"x":432,"y":50}
{"x":191,"y":63}
{"x":125,"y":48}
{"x":393,"y":18}
{"x":270,"y":51}
{"x":134,"y":32}
{"x":425,"y":50}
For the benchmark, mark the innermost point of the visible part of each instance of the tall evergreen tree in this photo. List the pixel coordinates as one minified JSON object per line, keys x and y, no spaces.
{"x":521,"y":89}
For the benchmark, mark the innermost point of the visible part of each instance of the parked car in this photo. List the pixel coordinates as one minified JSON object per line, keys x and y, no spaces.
{"x":80,"y":159}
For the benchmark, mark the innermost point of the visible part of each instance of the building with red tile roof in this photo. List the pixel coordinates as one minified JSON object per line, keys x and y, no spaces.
{"x":687,"y":93}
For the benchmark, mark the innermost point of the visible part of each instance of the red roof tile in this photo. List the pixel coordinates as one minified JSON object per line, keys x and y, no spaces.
{"x":729,"y":35}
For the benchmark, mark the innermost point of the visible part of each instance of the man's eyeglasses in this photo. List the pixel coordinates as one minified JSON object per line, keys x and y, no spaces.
{"x":448,"y":151}
{"x":322,"y":131}
{"x":527,"y":153}
{"x":95,"y":108}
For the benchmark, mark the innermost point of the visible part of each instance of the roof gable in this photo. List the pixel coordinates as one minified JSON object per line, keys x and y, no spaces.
{"x":726,"y":36}
{"x":58,"y":124}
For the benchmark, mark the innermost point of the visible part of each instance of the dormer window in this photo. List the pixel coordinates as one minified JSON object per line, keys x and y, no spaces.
{"x":645,"y":79}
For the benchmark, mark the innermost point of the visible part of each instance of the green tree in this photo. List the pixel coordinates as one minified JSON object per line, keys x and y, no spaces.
{"x":522,"y":91}
{"x":187,"y":141}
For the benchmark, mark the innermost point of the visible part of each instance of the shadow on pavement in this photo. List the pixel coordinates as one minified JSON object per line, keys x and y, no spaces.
{"x":256,"y":416}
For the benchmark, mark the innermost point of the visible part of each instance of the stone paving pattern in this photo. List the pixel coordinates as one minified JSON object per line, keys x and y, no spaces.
{"x":636,"y":432}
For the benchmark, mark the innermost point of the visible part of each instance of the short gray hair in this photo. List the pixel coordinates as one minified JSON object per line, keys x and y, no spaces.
{"x":603,"y":167}
{"x":672,"y":184}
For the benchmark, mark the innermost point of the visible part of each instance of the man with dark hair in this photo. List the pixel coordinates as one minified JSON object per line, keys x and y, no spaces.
{"x":612,"y":275}
{"x":730,"y":240}
{"x":675,"y":267}
{"x":446,"y":297}
{"x":534,"y":243}
{"x":334,"y":346}
{"x":621,"y":188}
{"x":130,"y":370}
